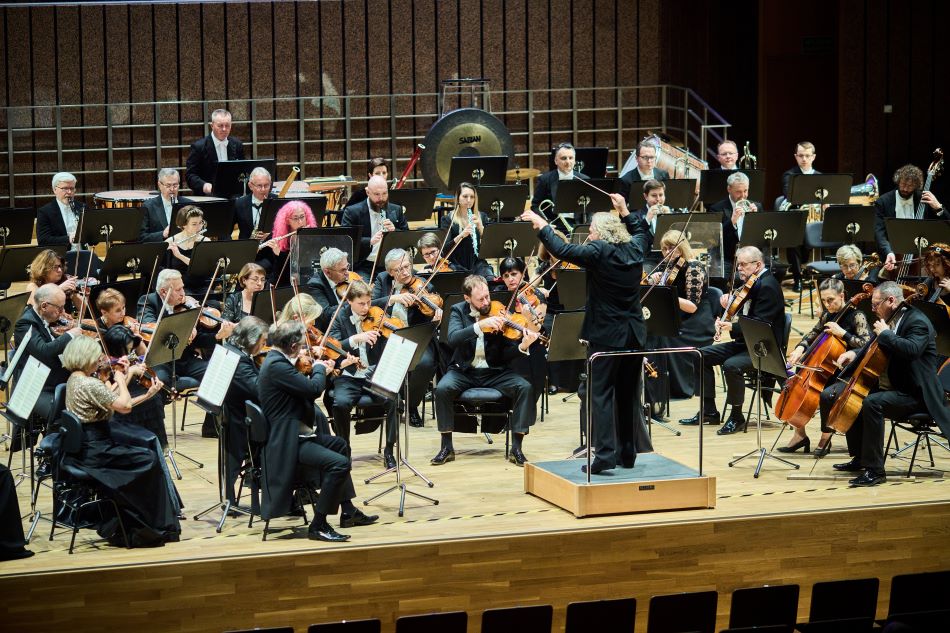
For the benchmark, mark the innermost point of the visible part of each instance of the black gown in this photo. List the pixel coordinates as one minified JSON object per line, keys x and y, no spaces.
{"x":464,"y":255}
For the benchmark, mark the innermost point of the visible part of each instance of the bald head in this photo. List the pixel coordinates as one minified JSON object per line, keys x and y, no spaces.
{"x":377,"y":191}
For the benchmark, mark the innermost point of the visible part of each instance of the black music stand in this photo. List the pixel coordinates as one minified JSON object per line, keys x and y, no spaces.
{"x":677,"y":221}
{"x":661,"y":314}
{"x":131,"y":289}
{"x":565,"y":345}
{"x":913,"y":236}
{"x":680,"y":193}
{"x":168,"y":343}
{"x":579,"y":234}
{"x":111,"y":225}
{"x":231,"y":176}
{"x":132,"y":258}
{"x":572,"y":288}
{"x":312,"y":241}
{"x":941,"y":321}
{"x":769,"y":357}
{"x":819,"y":189}
{"x":478,"y":170}
{"x":848,"y":224}
{"x":503,"y":203}
{"x":16,"y":226}
{"x":418,"y":203}
{"x":218,"y":216}
{"x":773,"y":229}
{"x":16,"y":260}
{"x":269,"y":209}
{"x":448,"y":284}
{"x":406,"y":240}
{"x":261,"y":305}
{"x":10,"y":310}
{"x":591,"y":161}
{"x":712,"y":184}
{"x":510,"y":239}
{"x":580,"y":199}
{"x":231,"y":256}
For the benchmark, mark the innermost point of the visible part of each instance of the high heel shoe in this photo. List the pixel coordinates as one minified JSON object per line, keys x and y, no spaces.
{"x":821,"y":451}
{"x":804,"y":442}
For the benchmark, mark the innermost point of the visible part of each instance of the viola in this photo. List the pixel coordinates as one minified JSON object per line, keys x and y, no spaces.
{"x":377,"y":319}
{"x":343,"y":287}
{"x":528,"y":300}
{"x":209,"y":318}
{"x":428,"y":302}
{"x":515,"y":324}
{"x":736,"y":301}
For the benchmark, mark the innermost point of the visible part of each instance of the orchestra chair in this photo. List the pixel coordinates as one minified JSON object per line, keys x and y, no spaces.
{"x":817,"y":268}
{"x":848,"y":606}
{"x":258,"y":430}
{"x":74,"y":491}
{"x":922,"y":426}
{"x":276,"y":629}
{"x":679,"y":612}
{"x":368,"y":415}
{"x":750,"y":375}
{"x":44,"y":453}
{"x":526,"y":619}
{"x":448,"y":622}
{"x":621,"y":613}
{"x":768,"y":605}
{"x":485,"y":410}
{"x":346,"y":626}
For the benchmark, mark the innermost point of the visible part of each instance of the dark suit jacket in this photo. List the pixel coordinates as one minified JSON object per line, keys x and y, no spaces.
{"x":287,"y":399}
{"x":383,"y":287}
{"x":730,"y":234}
{"x":50,"y":228}
{"x":319,"y":288}
{"x":885,"y":207}
{"x":343,"y":329}
{"x":244,"y":217}
{"x":613,"y":317}
{"x":626,"y":188}
{"x":43,"y":346}
{"x":766,"y":303}
{"x":358,"y":215}
{"x":153,"y":307}
{"x":202,"y":163}
{"x":153,"y":220}
{"x":545,"y":188}
{"x":787,"y":179}
{"x":243,"y":387}
{"x":499,"y":351}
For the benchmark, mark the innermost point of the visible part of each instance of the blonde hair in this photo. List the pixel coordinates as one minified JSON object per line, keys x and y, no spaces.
{"x":676,"y":239}
{"x":301,"y":304}
{"x":610,"y":228}
{"x":848,"y":251}
{"x":81,"y":353}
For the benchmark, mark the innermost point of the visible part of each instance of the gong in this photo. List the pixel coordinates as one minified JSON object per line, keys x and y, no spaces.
{"x":462,"y":132}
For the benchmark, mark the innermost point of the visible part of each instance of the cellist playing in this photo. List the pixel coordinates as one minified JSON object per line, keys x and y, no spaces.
{"x":908,"y":386}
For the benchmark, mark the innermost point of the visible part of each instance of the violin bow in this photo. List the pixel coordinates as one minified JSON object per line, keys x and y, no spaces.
{"x":668,"y":258}
{"x":85,"y":295}
{"x":151,"y":280}
{"x":306,"y":330}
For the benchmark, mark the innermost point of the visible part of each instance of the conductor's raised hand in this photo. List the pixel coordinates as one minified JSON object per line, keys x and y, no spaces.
{"x":535,"y":219}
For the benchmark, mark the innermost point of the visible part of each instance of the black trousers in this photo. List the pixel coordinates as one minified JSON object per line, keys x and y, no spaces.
{"x":235,"y":448}
{"x":618,"y":428}
{"x":12,"y":540}
{"x":866,"y":435}
{"x":455,"y":381}
{"x":829,"y":395}
{"x":421,"y":377}
{"x":734,"y":360}
{"x":331,"y":456}
{"x":347,"y":391}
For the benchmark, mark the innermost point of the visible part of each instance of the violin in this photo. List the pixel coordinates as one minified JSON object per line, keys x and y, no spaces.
{"x":427,"y":302}
{"x":514,"y":326}
{"x":87,"y":326}
{"x":377,"y":319}
{"x":528,"y":300}
{"x":332,"y":348}
{"x":209,"y":318}
{"x":736,"y":302}
{"x":442,"y":266}
{"x":343,"y":287}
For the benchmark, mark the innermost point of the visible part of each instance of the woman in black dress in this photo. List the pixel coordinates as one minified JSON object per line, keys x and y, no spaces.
{"x":190,"y":221}
{"x":465,"y":225}
{"x":237,"y":305}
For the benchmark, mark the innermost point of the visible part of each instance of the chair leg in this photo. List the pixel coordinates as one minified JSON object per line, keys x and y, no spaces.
{"x":913,"y":456}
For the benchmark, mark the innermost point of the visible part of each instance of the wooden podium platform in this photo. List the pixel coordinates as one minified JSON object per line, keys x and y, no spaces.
{"x":656,"y":483}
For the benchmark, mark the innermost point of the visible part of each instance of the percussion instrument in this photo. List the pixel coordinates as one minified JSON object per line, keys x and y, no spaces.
{"x":199,"y":199}
{"x":462,"y":132}
{"x":333,"y":188}
{"x":125,"y":199}
{"x":518,"y":174}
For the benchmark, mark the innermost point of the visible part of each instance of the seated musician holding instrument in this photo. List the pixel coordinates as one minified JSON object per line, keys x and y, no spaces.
{"x":375,"y":216}
{"x":804,"y":158}
{"x":190,"y":221}
{"x":158,"y":216}
{"x":429,"y":246}
{"x":377,"y":166}
{"x":629,"y":185}
{"x":902,"y":202}
{"x":274,"y":254}
{"x":909,"y":384}
{"x":295,"y":439}
{"x":329,"y":284}
{"x":465,"y":226}
{"x":734,"y":208}
{"x":248,"y":209}
{"x":57,"y":222}
{"x":357,"y":335}
{"x":396,"y":290}
{"x":49,"y":268}
{"x":763,"y":301}
{"x":937,"y":266}
{"x":654,"y":196}
{"x":853,"y":267}
{"x":852,"y":328}
{"x":238,"y":304}
{"x":482,"y":358}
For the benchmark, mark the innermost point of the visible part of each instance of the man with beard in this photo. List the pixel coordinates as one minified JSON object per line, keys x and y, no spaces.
{"x":902,"y":203}
{"x":375,"y":216}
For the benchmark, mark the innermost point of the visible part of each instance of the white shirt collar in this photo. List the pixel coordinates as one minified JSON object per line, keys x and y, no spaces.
{"x":562,"y":176}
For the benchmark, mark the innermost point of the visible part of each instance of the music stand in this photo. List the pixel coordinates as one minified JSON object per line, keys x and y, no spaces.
{"x":168,"y":342}
{"x":10,"y":310}
{"x":478,"y":170}
{"x":269,"y":209}
{"x":503,"y":203}
{"x":680,"y":193}
{"x":231,"y":256}
{"x":941,"y":321}
{"x":418,"y":203}
{"x":579,"y":234}
{"x":405,"y":240}
{"x":774,"y":229}
{"x":712,"y":184}
{"x":448,"y":284}
{"x":16,"y":260}
{"x":819,"y":189}
{"x":131,"y":289}
{"x":677,"y":221}
{"x":564,"y":345}
{"x":661,"y":314}
{"x":573,"y":288}
{"x":913,"y":236}
{"x":218,"y":216}
{"x":398,"y":365}
{"x":591,"y":161}
{"x":312,"y":241}
{"x":768,"y":357}
{"x":848,"y":224}
{"x":16,"y":226}
{"x":261,"y":305}
{"x":580,"y":199}
{"x":231,"y":176}
{"x":111,"y":225}
{"x":510,"y":239}
{"x":131,"y":258}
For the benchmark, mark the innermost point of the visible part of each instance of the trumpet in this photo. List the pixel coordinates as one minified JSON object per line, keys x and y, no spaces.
{"x":748,"y":159}
{"x":657,"y":209}
{"x":744,"y":205}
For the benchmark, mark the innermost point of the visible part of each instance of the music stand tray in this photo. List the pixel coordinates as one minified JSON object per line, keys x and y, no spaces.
{"x":218,"y":216}
{"x":448,"y":284}
{"x":913,"y":236}
{"x":233,"y":255}
{"x":848,"y":224}
{"x":565,"y":337}
{"x":478,"y":170}
{"x":661,"y":311}
{"x":503,"y":202}
{"x":582,"y":200}
{"x":261,"y":305}
{"x":508,"y":239}
{"x":131,"y":257}
{"x":111,"y":225}
{"x":406,"y":240}
{"x":419,"y":203}
{"x":775,"y":229}
{"x":712,"y":184}
{"x":680,"y":193}
{"x":231,"y":176}
{"x":819,"y":189}
{"x":16,"y":226}
{"x":572,"y":288}
{"x":17,"y":259}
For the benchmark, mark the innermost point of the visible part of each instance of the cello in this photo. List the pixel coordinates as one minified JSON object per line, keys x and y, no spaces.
{"x":801,"y":393}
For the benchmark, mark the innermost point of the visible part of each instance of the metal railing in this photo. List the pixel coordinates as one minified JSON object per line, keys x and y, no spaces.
{"x":122,"y":145}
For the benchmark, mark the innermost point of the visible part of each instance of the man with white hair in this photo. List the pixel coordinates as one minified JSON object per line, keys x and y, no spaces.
{"x":248,"y":208}
{"x":207,"y":152}
{"x":57,"y":223}
{"x":733,"y":213}
{"x":375,"y":216}
{"x":159,"y":210}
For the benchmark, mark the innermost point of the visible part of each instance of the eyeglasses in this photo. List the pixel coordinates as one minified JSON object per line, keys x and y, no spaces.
{"x":404,"y":268}
{"x":258,"y":280}
{"x":851,"y":266}
{"x":259,"y":185}
{"x":647,"y":158}
{"x":170,"y":185}
{"x":66,"y":189}
{"x":59,"y":308}
{"x":299,"y":218}
{"x":875,"y":304}
{"x":752,"y":263}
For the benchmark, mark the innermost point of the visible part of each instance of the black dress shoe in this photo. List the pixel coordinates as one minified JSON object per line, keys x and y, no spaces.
{"x":552,"y":389}
{"x":388,"y":460}
{"x":868,"y":478}
{"x":326,"y":533}
{"x":415,"y":420}
{"x":805,"y":443}
{"x":516,"y":457}
{"x":854,"y":466}
{"x":708,"y":418}
{"x":735,"y":424}
{"x":445,"y":455}
{"x":821,"y":451}
{"x":44,"y":470}
{"x":357,"y":519}
{"x":596,"y":467}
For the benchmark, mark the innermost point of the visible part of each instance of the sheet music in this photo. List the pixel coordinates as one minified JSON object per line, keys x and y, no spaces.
{"x":217,"y":379}
{"x":28,"y":388}
{"x":394,"y":363}
{"x":20,"y":348}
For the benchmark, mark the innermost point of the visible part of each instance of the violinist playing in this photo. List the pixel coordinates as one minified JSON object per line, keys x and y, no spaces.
{"x":429,"y":245}
{"x":937,"y":266}
{"x":763,"y":301}
{"x":397,"y":291}
{"x":853,"y":329}
{"x":481,"y":357}
{"x":908,"y":386}
{"x":853,"y":267}
{"x":328,"y":285}
{"x":49,"y":268}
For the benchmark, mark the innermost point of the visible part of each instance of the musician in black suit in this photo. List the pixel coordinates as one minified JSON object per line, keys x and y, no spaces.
{"x":902,"y":202}
{"x":57,"y":222}
{"x":333,"y":274}
{"x":297,"y":448}
{"x":727,"y":153}
{"x":627,"y":185}
{"x":733,"y":214}
{"x":374,"y":217}
{"x":764,"y":302}
{"x":545,"y":187}
{"x":481,"y":357}
{"x":207,"y":152}
{"x":613,"y":321}
{"x":368,"y":348}
{"x":48,"y":303}
{"x":805,"y":157}
{"x":377,"y":166}
{"x":158,"y":210}
{"x":909,"y":385}
{"x":248,"y":208}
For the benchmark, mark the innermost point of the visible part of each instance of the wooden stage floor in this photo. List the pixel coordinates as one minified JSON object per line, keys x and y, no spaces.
{"x":488,"y":543}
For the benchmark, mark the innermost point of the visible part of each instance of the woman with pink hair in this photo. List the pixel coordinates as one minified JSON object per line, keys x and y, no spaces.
{"x":291,"y":217}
